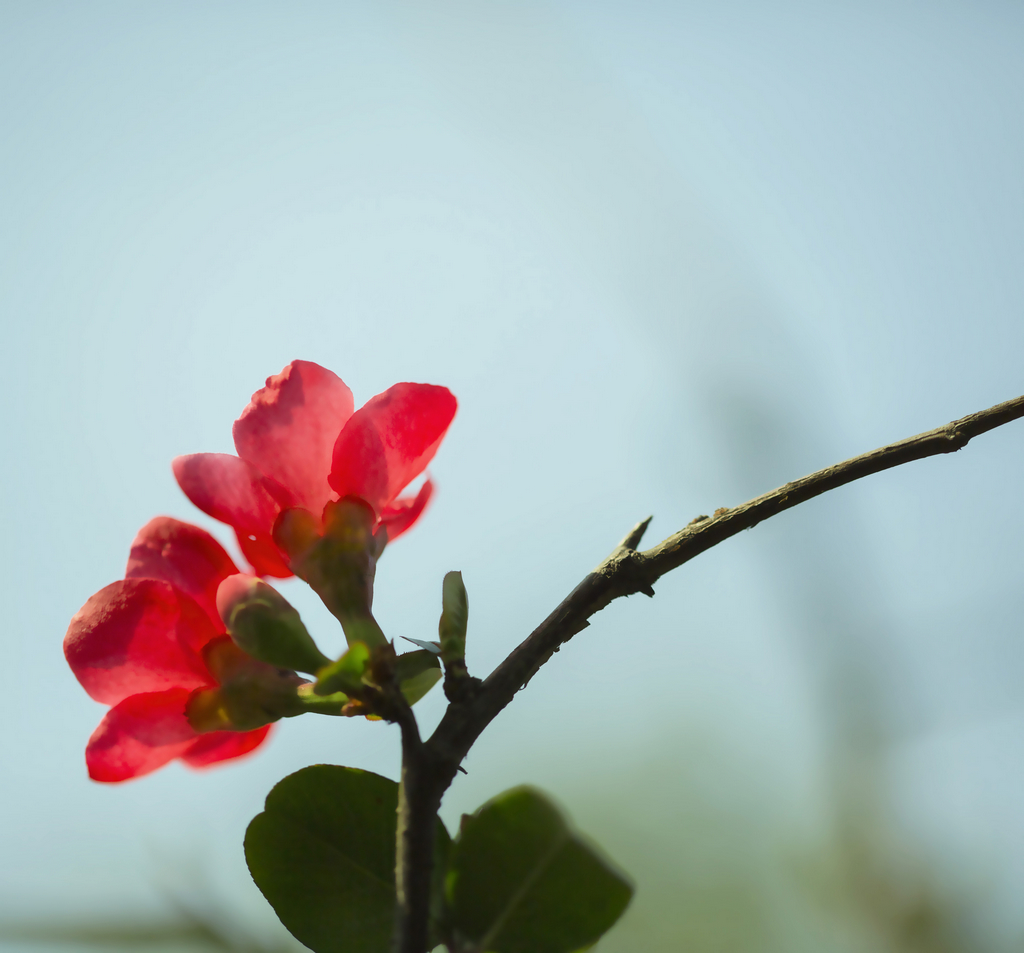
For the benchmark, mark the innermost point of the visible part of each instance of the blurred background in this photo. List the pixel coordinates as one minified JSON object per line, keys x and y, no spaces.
{"x":668,"y":256}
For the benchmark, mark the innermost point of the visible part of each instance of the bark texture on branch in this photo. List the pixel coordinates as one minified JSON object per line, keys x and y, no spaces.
{"x":419,"y":797}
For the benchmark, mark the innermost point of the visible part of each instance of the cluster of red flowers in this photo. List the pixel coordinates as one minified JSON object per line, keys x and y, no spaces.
{"x":142,"y":644}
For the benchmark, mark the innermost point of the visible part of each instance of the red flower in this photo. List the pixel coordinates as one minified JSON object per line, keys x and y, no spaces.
{"x":138,"y":645}
{"x":300,"y":445}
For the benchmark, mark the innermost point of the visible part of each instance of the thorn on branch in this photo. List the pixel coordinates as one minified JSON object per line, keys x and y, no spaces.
{"x":626,"y":571}
{"x":633,"y":537}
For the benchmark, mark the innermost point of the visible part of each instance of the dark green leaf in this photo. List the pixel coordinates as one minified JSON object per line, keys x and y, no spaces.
{"x":521,"y":881}
{"x":323,"y":853}
{"x":438,"y":911}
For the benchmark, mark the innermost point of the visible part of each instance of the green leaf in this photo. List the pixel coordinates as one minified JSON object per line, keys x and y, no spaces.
{"x":521,"y":881}
{"x":323,"y":853}
{"x":416,"y":687}
{"x":417,"y":673}
{"x":438,"y":907}
{"x":412,"y":664}
{"x":434,"y":647}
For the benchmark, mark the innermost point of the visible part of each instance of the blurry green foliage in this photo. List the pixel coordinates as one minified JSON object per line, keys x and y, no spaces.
{"x":521,"y":881}
{"x":715,"y":874}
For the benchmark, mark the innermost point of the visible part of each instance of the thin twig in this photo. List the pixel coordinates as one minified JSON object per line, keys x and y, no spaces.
{"x":698,"y":537}
{"x":429,"y":767}
{"x":627,"y":571}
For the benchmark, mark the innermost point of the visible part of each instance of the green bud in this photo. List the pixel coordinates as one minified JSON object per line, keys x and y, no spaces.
{"x":454,"y":620}
{"x":264,"y":625}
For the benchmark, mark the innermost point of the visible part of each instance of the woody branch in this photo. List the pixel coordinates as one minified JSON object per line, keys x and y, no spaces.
{"x":625,"y":572}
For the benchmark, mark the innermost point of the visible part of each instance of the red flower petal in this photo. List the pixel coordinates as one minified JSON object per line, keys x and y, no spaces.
{"x":217,"y":746}
{"x":184,"y":555}
{"x":139,"y":735}
{"x":264,"y":556}
{"x":228,"y":489}
{"x":289,"y":429}
{"x":401,"y":514}
{"x":138,"y":635}
{"x":389,"y":441}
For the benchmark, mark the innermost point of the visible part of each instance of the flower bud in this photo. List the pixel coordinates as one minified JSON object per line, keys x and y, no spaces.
{"x":454,"y":620}
{"x":264,"y":625}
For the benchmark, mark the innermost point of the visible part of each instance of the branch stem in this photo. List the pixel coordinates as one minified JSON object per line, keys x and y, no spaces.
{"x":424,"y":780}
{"x":699,"y":537}
{"x":429,"y":767}
{"x":627,"y":571}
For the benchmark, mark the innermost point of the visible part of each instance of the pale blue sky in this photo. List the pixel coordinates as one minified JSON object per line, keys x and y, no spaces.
{"x":667,"y":256}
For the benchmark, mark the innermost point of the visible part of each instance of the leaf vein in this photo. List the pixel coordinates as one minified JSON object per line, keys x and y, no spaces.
{"x":517,"y":898}
{"x":318,"y":837}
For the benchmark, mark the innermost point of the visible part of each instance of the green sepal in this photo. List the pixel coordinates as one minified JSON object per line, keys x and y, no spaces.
{"x":454,"y":619}
{"x":331,"y":704}
{"x":323,"y":854}
{"x":266,"y":626}
{"x":520,"y":880}
{"x":362,"y":628}
{"x":345,"y":675}
{"x":248,"y":695}
{"x":338,"y":558}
